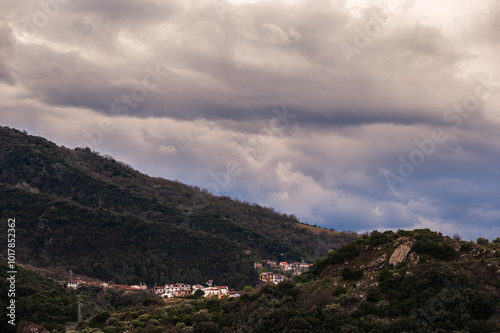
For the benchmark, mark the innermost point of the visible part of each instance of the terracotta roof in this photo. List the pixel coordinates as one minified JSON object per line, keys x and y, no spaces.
{"x":123,"y":286}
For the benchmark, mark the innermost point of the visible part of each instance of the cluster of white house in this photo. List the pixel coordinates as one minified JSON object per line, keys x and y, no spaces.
{"x":295,"y":268}
{"x":182,"y":289}
{"x":271,"y":277}
{"x":166,"y":291}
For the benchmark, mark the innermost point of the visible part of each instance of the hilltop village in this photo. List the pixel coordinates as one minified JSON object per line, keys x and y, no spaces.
{"x":270,"y":271}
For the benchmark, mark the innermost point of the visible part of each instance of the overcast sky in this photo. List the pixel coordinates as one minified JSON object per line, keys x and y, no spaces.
{"x":353,"y":115}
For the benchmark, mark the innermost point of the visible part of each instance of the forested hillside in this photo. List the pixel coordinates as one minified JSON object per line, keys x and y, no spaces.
{"x":117,"y":247}
{"x":101,"y":218}
{"x":38,"y":300}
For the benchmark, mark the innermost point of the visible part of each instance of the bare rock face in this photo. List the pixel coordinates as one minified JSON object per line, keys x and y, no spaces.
{"x":400,"y":253}
{"x":25,"y":186}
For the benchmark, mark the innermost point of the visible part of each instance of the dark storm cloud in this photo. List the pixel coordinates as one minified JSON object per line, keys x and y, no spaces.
{"x":315,"y":100}
{"x":248,"y":59}
{"x":65,"y":79}
{"x":124,"y":12}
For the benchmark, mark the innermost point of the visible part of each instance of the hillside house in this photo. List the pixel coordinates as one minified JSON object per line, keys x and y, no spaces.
{"x":266,"y":277}
{"x":81,"y":283}
{"x":271,"y":263}
{"x":284,"y":265}
{"x":73,"y":284}
{"x":216,"y":290}
{"x":176,"y":290}
{"x":210,"y":291}
{"x":304,"y":267}
{"x":182,"y":293}
{"x":277,"y":278}
{"x":222,"y":289}
{"x":158,"y":290}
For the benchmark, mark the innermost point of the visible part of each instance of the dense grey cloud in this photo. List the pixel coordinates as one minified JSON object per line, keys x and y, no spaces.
{"x":351,"y":114}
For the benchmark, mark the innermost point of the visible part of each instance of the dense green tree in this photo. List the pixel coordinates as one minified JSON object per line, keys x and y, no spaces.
{"x":482,"y":241}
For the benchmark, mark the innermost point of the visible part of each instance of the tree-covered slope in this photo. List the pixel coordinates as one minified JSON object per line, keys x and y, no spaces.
{"x":37,"y":300}
{"x":114,"y":246}
{"x":131,"y":226}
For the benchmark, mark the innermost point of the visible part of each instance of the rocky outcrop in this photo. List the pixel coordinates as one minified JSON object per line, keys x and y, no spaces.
{"x":400,"y":253}
{"x":25,"y":186}
{"x":375,"y":263}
